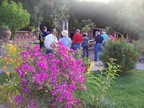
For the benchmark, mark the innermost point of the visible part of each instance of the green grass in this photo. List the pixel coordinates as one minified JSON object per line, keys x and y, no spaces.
{"x":128,"y":91}
{"x":2,"y":78}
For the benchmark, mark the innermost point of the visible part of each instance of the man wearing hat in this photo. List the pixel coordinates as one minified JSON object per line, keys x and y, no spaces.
{"x":65,"y":40}
{"x":105,"y":36}
{"x":77,"y":40}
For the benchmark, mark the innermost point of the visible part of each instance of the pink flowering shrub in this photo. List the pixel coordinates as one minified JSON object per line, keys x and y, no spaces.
{"x":50,"y":80}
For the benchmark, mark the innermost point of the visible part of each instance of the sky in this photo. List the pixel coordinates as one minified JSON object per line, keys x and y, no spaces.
{"x":105,"y":1}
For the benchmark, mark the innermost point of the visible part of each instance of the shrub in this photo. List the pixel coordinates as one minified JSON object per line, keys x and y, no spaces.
{"x":9,"y":82}
{"x":10,"y":58}
{"x":51,"y":78}
{"x":97,"y":85}
{"x":139,"y":47}
{"x":9,"y":89}
{"x":123,"y":52}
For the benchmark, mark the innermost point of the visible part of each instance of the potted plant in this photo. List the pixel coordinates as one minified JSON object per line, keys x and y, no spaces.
{"x":5,"y":33}
{"x":12,"y":18}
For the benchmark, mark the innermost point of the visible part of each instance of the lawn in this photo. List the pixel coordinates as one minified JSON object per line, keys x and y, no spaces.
{"x":128,"y":91}
{"x":2,"y":78}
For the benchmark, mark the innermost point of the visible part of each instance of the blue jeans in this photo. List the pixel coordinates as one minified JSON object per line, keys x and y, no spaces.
{"x":85,"y":51}
{"x":97,"y":48}
{"x":76,"y":46}
{"x":48,"y":51}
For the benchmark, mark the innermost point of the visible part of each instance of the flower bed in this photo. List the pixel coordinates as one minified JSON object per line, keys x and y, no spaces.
{"x":53,"y":78}
{"x":56,"y":80}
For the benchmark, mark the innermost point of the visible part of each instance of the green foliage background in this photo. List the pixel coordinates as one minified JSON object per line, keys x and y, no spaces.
{"x":14,"y":16}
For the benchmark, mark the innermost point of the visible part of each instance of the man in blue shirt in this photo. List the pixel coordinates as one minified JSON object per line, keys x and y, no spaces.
{"x":65,"y":40}
{"x":105,"y":36}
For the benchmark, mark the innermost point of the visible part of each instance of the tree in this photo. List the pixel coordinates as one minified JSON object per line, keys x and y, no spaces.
{"x":14,"y":16}
{"x":86,"y":25}
{"x":34,"y":8}
{"x":57,"y":13}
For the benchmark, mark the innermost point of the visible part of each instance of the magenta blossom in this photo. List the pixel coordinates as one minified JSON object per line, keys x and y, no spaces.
{"x":50,"y":79}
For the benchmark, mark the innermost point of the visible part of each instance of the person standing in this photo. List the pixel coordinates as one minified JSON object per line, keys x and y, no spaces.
{"x":65,"y":40}
{"x":85,"y":45}
{"x":111,"y":37}
{"x":43,"y":33}
{"x":49,"y":40}
{"x":77,"y":40}
{"x":99,"y":40}
{"x":105,"y":37}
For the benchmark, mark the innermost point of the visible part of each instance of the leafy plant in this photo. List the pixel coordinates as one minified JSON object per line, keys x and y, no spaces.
{"x":9,"y":89}
{"x":104,"y":83}
{"x":86,"y":25}
{"x":123,"y":52}
{"x":57,"y":15}
{"x":73,"y":23}
{"x":13,"y":16}
{"x":3,"y":26}
{"x":139,"y":47}
{"x":96,"y":87}
{"x":78,"y":54}
{"x":11,"y":58}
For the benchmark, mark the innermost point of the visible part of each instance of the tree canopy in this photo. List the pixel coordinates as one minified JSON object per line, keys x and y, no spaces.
{"x":123,"y":16}
{"x":14,"y":16}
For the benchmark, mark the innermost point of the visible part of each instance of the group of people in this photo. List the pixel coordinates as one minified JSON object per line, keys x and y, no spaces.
{"x":77,"y":42}
{"x":48,"y":38}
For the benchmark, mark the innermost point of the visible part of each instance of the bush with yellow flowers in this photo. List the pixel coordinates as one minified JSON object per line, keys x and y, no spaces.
{"x":97,"y":85}
{"x":9,"y":87}
{"x":11,"y":60}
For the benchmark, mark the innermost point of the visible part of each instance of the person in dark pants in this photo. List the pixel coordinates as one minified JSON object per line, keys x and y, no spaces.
{"x":99,"y":40}
{"x":43,"y":33}
{"x":77,"y":40}
{"x":85,"y":45}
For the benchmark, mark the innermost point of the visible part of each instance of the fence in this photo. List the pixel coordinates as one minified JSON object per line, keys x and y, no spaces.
{"x":91,"y":45}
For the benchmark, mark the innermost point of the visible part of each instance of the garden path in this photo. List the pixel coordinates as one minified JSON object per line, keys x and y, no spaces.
{"x":98,"y":65}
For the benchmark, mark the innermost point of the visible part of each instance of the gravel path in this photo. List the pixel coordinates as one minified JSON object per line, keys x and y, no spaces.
{"x":139,"y":65}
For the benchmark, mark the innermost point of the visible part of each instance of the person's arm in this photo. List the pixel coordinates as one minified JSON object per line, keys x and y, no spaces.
{"x":102,"y":40}
{"x":55,"y":39}
{"x":81,"y":39}
{"x":88,"y":41}
{"x":95,"y":40}
{"x":70,"y":42}
{"x":45,"y":40}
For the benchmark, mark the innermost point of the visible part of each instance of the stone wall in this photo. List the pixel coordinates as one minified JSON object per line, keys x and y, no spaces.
{"x":24,"y":36}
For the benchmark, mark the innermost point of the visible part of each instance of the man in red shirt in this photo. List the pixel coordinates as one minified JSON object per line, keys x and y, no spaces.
{"x":77,"y":40}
